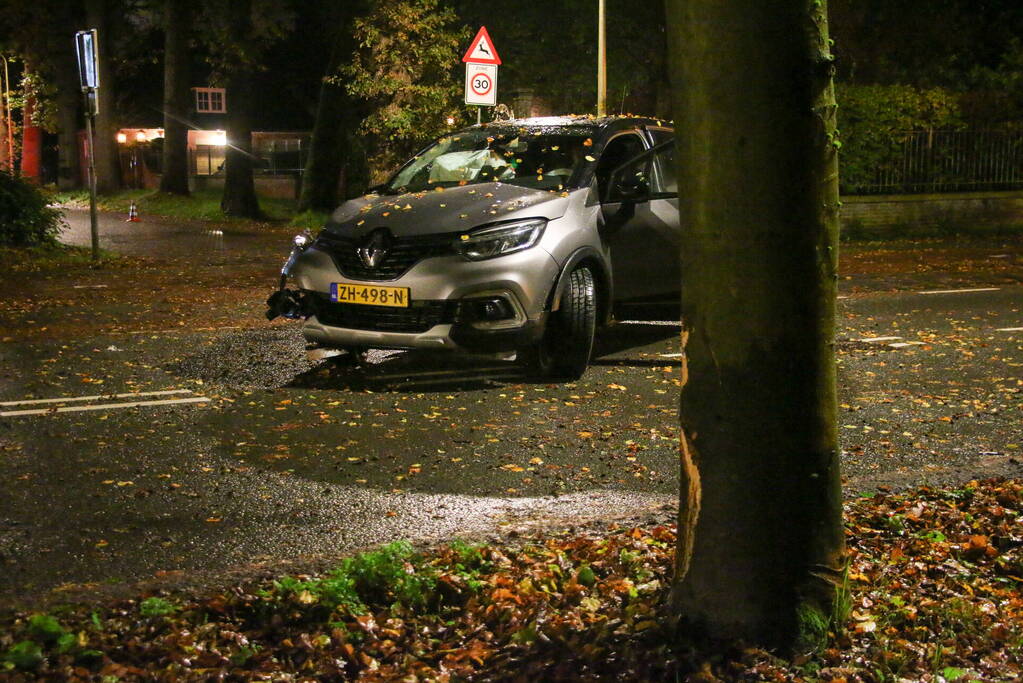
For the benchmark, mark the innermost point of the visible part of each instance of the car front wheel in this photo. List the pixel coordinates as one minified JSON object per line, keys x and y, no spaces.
{"x":567,"y":343}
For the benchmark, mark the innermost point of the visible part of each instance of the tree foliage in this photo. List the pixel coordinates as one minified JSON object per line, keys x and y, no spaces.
{"x":406,"y":69}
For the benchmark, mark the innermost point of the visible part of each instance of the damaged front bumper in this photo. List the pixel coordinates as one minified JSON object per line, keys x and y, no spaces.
{"x":284,"y":302}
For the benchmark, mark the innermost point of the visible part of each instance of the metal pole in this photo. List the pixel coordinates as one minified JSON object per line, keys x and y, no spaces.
{"x":601,"y":60}
{"x":479,"y":115}
{"x":93,"y":224}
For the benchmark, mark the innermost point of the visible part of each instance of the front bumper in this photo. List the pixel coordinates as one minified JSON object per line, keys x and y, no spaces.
{"x":450,"y":337}
{"x":438,"y":287}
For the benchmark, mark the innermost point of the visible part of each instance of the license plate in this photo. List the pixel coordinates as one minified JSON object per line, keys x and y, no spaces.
{"x":369,"y":295}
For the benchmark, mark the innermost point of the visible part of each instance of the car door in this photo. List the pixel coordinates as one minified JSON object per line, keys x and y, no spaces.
{"x":641,"y":225}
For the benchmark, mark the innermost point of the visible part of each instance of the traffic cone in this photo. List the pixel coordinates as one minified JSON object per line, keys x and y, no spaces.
{"x":133,"y":214}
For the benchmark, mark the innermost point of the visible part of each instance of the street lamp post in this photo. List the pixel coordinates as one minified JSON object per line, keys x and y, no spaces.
{"x":601,"y":60}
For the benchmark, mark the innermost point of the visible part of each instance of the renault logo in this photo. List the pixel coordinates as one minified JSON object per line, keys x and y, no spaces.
{"x":373,"y":252}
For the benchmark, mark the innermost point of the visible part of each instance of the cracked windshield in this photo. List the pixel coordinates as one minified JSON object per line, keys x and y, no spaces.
{"x":520,"y":157}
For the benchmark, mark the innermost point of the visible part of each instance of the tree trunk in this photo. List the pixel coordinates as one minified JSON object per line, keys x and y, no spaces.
{"x":69,"y":97}
{"x":176,"y":25}
{"x":239,"y":197}
{"x":326,"y":153}
{"x":107,"y":159}
{"x":6,"y":163}
{"x":760,"y":535}
{"x":31,"y":143}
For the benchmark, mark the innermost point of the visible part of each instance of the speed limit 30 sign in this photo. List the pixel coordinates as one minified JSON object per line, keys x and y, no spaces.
{"x":481,"y":84}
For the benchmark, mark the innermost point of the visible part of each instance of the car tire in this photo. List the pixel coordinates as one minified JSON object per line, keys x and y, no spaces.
{"x":567,"y":343}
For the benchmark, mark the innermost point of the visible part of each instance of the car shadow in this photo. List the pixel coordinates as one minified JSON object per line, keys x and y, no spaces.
{"x":411,"y":371}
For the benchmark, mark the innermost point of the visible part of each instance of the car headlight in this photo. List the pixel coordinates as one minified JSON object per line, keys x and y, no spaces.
{"x":498,"y":240}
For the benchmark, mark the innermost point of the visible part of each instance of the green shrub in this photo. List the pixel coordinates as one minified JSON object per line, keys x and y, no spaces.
{"x":874,"y":119}
{"x":25,"y":217}
{"x":156,"y":607}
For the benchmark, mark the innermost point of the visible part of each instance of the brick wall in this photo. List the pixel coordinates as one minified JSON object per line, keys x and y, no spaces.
{"x":931,"y":212}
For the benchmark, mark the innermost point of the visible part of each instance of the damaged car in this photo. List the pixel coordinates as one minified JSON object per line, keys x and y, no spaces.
{"x":513,"y":237}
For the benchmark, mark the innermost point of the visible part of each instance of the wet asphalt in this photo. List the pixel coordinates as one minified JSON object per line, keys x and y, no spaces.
{"x":293,"y":456}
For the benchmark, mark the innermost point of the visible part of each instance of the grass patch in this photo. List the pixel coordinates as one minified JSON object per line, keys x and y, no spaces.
{"x":51,"y":257}
{"x":310,"y":220}
{"x":201,"y":205}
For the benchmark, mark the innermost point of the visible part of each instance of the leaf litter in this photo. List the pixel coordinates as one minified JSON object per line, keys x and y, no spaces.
{"x":932,"y":594}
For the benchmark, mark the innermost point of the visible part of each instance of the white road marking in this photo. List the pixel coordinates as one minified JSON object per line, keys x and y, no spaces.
{"x":104,"y":406}
{"x":650,"y":303}
{"x":89,"y":286}
{"x":1009,"y":329}
{"x":671,"y":355}
{"x":666,"y":323}
{"x":900,"y":345}
{"x":961,"y":291}
{"x":95,"y":398}
{"x":871,"y":340}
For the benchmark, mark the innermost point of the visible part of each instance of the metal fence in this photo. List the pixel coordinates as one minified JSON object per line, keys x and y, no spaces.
{"x":927,"y":161}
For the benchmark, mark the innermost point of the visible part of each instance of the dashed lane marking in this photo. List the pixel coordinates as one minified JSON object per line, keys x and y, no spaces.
{"x":36,"y":401}
{"x":1009,"y":329}
{"x":665,"y":323}
{"x":961,"y":291}
{"x":873,"y":340}
{"x":103,"y":406}
{"x":902,"y":345}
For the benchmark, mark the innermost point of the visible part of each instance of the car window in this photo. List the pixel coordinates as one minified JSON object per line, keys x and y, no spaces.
{"x":518,"y":156}
{"x":660,"y":135}
{"x":665,"y":183}
{"x":648,"y":176}
{"x":616,"y":152}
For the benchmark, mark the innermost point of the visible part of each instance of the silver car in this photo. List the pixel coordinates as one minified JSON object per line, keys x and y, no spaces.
{"x":514,"y":236}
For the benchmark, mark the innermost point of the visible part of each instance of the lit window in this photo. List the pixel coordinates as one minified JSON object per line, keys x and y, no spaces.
{"x":210,"y":101}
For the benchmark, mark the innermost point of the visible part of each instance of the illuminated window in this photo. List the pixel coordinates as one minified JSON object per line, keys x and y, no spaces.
{"x":210,"y":101}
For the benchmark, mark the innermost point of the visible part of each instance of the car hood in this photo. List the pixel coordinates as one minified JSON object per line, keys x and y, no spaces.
{"x":450,"y":210}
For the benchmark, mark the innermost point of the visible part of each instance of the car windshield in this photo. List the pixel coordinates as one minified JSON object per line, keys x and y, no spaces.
{"x":544,"y":160}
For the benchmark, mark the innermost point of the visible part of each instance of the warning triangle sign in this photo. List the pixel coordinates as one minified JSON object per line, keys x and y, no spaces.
{"x":482,"y":49}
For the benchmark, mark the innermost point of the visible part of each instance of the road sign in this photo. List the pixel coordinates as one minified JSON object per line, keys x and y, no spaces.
{"x":86,"y":46}
{"x":482,"y":50}
{"x":481,"y":84}
{"x":88,"y":73}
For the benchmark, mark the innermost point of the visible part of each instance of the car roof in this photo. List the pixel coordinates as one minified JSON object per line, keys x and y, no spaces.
{"x":596,"y":123}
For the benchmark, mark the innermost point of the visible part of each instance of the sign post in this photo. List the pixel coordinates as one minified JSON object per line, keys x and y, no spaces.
{"x":88,"y":74}
{"x":481,"y":62}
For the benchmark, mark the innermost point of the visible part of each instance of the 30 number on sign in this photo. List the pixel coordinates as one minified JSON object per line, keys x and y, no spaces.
{"x":481,"y":84}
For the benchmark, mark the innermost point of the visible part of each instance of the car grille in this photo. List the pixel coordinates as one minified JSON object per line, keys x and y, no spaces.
{"x":419,"y":317}
{"x":402,"y":254}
